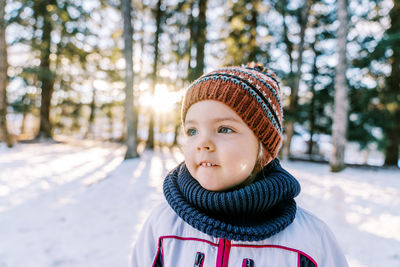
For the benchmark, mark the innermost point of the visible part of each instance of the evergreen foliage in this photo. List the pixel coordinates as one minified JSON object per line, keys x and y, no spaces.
{"x":73,"y":75}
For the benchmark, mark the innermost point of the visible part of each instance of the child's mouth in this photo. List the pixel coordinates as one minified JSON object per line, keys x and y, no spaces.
{"x":207,"y":164}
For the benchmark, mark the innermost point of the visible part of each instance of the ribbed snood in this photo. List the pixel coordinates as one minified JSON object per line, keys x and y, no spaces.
{"x":254,"y":212}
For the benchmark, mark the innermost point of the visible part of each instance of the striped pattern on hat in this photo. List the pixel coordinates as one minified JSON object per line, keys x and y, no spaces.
{"x":252,"y":92}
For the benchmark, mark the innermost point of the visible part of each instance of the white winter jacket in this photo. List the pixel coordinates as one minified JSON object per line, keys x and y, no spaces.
{"x":166,"y":240}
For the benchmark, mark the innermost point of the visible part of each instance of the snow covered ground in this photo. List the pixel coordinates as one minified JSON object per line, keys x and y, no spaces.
{"x":79,"y":204}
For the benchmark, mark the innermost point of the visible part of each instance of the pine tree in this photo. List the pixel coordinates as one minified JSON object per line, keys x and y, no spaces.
{"x":377,"y":108}
{"x":391,"y":96}
{"x":130,"y":116}
{"x":24,"y":105}
{"x":54,"y":26}
{"x":158,"y":14}
{"x":241,"y":44}
{"x":4,"y":135}
{"x":339,"y":127}
{"x":92,"y":115}
{"x":294,"y":77}
{"x":182,"y":33}
{"x":200,"y":38}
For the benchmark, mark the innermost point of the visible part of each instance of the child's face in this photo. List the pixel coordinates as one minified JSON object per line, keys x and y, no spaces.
{"x":216,"y":134}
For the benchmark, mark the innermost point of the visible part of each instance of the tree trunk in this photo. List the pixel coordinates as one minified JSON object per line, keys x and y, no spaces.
{"x":4,"y":135}
{"x":176,"y":132}
{"x":150,"y":138}
{"x":177,"y":124}
{"x":89,"y":131}
{"x":289,"y":45}
{"x":392,"y":130}
{"x":130,"y":114}
{"x":47,"y":80}
{"x":339,"y":127}
{"x":253,"y":33}
{"x":201,"y":38}
{"x":141,"y":42}
{"x":150,"y":135}
{"x":288,"y":126}
{"x":392,"y":150}
{"x":23,"y":124}
{"x":110,"y":121}
{"x":191,"y":75}
{"x":312,"y":104}
{"x":294,"y":95}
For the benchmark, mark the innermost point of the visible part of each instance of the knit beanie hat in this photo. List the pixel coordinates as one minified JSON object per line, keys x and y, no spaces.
{"x":253,"y":93}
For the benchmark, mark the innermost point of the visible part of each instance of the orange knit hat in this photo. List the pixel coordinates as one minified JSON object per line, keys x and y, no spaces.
{"x":252,"y":92}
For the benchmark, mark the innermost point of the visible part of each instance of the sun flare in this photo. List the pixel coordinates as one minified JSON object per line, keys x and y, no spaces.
{"x":163,"y":100}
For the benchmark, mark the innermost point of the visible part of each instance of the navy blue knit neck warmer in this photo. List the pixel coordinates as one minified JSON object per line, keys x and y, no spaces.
{"x":254,"y":212}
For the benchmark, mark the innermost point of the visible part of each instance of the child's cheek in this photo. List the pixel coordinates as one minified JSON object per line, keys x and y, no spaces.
{"x":188,"y":155}
{"x":244,"y":168}
{"x":185,"y":149}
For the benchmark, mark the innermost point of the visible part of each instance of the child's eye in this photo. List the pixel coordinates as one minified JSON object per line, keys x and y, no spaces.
{"x":191,"y":131}
{"x":225,"y":130}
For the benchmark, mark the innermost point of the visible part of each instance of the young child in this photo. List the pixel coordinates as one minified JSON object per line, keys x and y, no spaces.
{"x":230,"y":203}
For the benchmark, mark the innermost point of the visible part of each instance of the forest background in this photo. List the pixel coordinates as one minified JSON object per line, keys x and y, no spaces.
{"x":109,"y":69}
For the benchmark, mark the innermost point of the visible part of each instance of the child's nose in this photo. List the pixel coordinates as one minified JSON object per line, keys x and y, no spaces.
{"x":205,"y":144}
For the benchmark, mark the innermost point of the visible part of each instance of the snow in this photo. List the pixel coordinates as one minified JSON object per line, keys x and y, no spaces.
{"x":80,"y":204}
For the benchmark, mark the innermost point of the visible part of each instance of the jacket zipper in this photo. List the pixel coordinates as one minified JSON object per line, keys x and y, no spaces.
{"x":224,"y":247}
{"x":199,"y":260}
{"x":248,"y":263}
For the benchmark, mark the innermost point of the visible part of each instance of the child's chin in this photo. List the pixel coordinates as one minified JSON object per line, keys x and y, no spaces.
{"x":213,"y":187}
{"x":208,"y":186}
